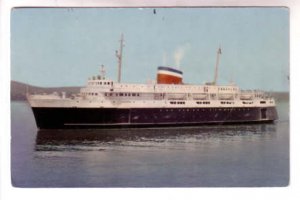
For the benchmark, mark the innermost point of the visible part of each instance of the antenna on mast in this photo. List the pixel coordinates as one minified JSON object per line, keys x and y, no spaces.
{"x":219,"y":52}
{"x":102,"y":72}
{"x":119,"y":57}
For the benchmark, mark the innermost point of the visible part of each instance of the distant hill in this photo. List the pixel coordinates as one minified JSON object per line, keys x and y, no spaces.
{"x":18,"y":90}
{"x":281,"y":96}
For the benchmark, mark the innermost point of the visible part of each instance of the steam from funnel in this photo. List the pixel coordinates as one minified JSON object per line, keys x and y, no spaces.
{"x":179,"y":53}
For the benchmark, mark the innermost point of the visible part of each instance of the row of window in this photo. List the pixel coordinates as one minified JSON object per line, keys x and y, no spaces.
{"x":171,"y":102}
{"x":91,"y":93}
{"x":177,"y":102}
{"x":113,"y":94}
{"x":160,"y":87}
{"x":167,"y":86}
{"x":101,"y":83}
{"x":122,"y":94}
{"x":97,"y":77}
{"x":227,"y":102}
{"x":226,"y":89}
{"x":201,"y":109}
{"x":202,"y":102}
{"x":249,"y":102}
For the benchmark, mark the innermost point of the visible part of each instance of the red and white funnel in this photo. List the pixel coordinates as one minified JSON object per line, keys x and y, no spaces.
{"x":168,"y":75}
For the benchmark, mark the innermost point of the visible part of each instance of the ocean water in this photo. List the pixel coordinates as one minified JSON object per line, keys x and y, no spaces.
{"x":207,"y":156}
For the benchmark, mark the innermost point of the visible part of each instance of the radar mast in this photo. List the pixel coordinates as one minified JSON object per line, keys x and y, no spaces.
{"x":119,"y":57}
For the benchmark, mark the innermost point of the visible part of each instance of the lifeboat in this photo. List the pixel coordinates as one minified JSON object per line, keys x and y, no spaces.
{"x":225,"y":96}
{"x":176,"y":96}
{"x":169,"y":75}
{"x":246,"y":97}
{"x":199,"y":96}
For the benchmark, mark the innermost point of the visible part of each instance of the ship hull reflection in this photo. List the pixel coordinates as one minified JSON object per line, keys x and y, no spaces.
{"x":99,"y":136}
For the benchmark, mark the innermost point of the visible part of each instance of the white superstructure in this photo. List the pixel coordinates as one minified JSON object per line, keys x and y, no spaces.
{"x":102,"y":92}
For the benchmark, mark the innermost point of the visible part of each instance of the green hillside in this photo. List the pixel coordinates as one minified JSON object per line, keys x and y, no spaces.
{"x":18,"y":90}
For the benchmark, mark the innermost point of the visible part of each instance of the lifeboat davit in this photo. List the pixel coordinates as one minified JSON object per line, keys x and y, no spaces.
{"x":169,"y":75}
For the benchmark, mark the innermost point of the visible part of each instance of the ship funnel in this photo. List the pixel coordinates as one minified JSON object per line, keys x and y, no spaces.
{"x":169,"y":75}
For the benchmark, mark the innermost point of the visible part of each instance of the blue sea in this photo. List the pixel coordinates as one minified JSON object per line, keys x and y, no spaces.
{"x":252,"y":155}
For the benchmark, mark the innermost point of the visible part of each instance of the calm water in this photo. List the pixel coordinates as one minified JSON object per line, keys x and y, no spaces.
{"x":208,"y":156}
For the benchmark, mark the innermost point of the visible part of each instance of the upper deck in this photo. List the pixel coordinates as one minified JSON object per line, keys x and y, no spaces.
{"x":106,"y":85}
{"x":102,"y":92}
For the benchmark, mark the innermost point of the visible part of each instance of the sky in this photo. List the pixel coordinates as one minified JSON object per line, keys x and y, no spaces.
{"x":53,"y":47}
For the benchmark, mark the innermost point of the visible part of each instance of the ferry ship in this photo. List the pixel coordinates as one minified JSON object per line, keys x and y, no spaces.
{"x":168,"y":101}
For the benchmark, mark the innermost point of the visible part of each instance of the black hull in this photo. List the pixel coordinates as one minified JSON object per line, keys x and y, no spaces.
{"x":60,"y":118}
